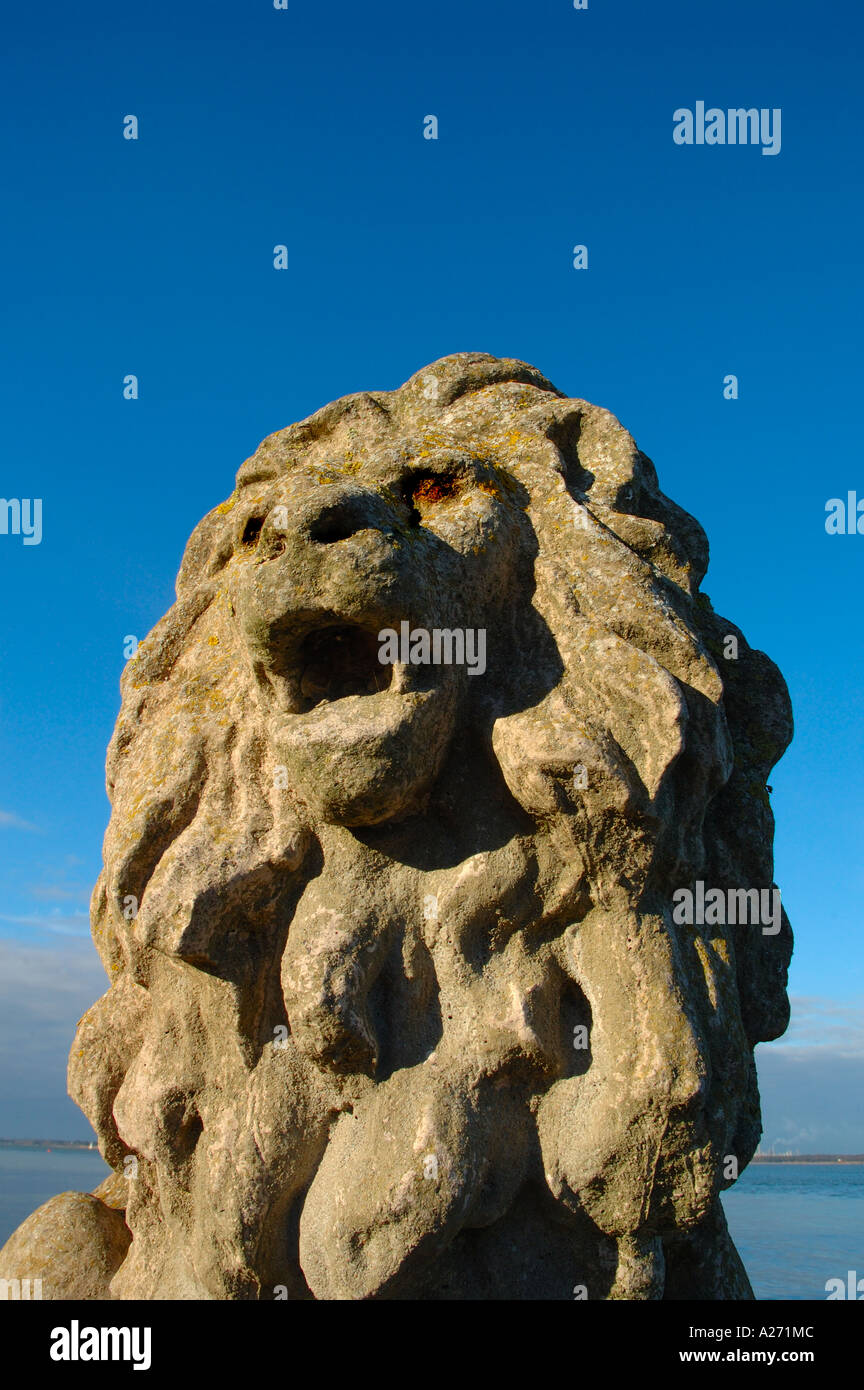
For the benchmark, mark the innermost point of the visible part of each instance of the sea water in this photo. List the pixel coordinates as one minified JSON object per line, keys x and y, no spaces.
{"x":28,"y":1177}
{"x":798,"y":1225}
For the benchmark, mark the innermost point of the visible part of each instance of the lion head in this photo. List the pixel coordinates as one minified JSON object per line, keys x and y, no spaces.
{"x":399,"y":1007}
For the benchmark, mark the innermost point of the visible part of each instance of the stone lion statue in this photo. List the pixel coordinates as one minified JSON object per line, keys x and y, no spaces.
{"x":399,"y":1005}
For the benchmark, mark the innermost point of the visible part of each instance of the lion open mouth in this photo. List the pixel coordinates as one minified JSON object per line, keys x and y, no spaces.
{"x":336,"y":662}
{"x":310,"y":661}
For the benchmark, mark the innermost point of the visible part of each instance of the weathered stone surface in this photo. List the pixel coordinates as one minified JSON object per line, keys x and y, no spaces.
{"x":74,"y":1244}
{"x":380,"y":909}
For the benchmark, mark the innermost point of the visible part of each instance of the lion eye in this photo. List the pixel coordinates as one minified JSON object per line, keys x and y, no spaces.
{"x":427,"y":489}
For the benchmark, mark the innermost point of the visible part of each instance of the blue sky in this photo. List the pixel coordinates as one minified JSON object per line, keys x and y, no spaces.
{"x":260,"y":127}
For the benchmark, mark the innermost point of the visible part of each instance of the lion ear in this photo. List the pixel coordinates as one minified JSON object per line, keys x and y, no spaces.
{"x":562,"y":424}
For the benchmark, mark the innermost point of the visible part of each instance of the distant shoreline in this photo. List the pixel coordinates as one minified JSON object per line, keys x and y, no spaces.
{"x":815,"y":1159}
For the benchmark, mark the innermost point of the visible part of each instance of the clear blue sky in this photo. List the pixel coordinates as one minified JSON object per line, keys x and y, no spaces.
{"x":305,"y":127}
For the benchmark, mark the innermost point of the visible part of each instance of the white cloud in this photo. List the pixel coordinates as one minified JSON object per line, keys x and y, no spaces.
{"x":60,"y":892}
{"x":44,"y":990}
{"x":10,"y":821}
{"x":824,"y":1025}
{"x":61,"y":924}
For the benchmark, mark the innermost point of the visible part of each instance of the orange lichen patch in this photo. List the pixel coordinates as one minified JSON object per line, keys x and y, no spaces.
{"x":226,"y":506}
{"x":434,"y":490}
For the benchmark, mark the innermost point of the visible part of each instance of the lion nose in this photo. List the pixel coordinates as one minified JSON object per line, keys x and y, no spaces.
{"x":336,"y":518}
